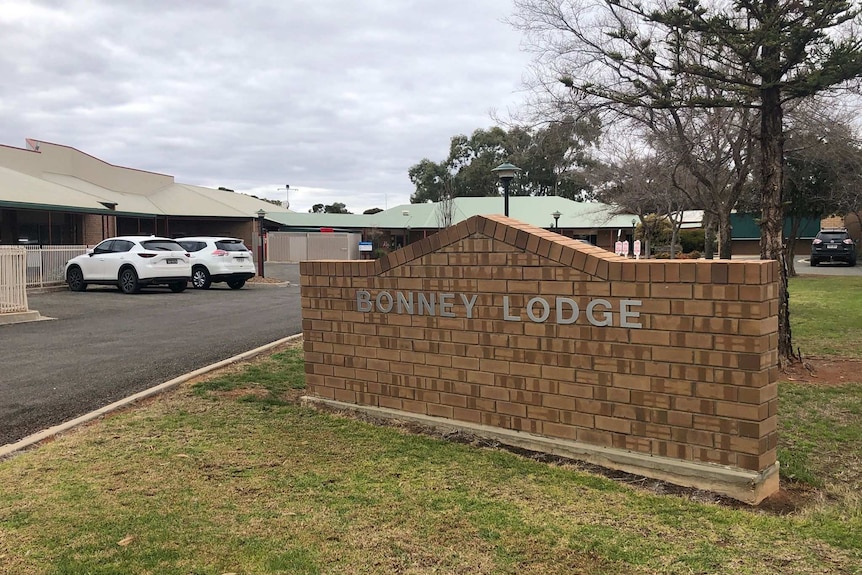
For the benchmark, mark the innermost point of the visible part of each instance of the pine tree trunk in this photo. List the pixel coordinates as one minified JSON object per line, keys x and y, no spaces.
{"x":772,"y":213}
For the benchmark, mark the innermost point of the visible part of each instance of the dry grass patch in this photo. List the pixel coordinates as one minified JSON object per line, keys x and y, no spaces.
{"x":230,"y":476}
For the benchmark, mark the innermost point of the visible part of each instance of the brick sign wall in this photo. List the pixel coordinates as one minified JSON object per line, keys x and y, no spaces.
{"x":664,"y":368}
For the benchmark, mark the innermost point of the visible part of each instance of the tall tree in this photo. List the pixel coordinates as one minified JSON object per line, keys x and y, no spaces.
{"x":552,"y":159}
{"x":428,"y":177}
{"x":622,"y":54}
{"x":821,"y":154}
{"x":714,"y":149}
{"x":648,"y":186}
{"x":336,"y":208}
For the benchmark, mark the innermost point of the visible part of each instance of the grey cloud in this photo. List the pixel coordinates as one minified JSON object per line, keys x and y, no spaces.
{"x":326,"y":94}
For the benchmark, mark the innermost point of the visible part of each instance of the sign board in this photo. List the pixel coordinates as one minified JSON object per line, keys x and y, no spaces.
{"x":625,"y":250}
{"x":637,"y":249}
{"x":365,"y":247}
{"x":618,"y":248}
{"x":666,"y":326}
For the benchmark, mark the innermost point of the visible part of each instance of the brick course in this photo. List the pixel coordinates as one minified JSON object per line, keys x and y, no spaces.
{"x":695,"y":382}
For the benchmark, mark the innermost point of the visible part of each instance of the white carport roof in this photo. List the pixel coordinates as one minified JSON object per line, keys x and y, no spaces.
{"x":188,"y":200}
{"x":125,"y":203}
{"x":56,"y":177}
{"x":22,"y":190}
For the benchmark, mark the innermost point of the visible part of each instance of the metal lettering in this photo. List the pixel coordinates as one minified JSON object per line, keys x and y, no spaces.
{"x":427,"y":305}
{"x":390,"y":303}
{"x":598,"y":312}
{"x":546,"y":310}
{"x":506,"y":315}
{"x":405,"y":303}
{"x":625,"y":313}
{"x":609,"y":316}
{"x":562,"y":302}
{"x":468,"y":304}
{"x":363,"y":301}
{"x":446,"y":305}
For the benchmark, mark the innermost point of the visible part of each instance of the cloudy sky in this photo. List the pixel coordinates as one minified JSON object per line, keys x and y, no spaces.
{"x":335,"y":98}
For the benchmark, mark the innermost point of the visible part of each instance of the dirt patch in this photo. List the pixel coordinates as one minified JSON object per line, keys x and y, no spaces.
{"x":265,"y":280}
{"x":823,"y":371}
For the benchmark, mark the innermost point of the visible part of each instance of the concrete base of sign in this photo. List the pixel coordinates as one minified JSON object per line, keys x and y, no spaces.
{"x":747,"y":486}
{"x":20,"y":317}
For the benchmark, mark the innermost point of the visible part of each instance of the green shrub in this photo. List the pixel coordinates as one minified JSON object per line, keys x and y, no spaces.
{"x":692,"y":240}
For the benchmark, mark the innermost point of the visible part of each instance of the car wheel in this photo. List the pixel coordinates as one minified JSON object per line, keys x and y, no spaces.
{"x":235,"y":284}
{"x":814,"y":262}
{"x":75,"y":279}
{"x":852,"y":263}
{"x":178,"y":287}
{"x":201,"y":278}
{"x":129,"y":281}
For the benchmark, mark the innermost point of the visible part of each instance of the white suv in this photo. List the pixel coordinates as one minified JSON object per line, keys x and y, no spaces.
{"x":131,"y":262}
{"x":219,"y":259}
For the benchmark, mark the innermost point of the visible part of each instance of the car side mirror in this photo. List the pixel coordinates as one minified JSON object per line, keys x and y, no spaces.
{"x":91,"y":252}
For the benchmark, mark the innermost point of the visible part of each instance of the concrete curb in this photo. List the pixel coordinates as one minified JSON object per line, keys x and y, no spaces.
{"x":11,"y":448}
{"x":21,"y":317}
{"x":741,"y":484}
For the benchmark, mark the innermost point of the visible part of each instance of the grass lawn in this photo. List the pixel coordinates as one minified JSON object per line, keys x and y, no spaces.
{"x":230,"y":475}
{"x":826,"y":315}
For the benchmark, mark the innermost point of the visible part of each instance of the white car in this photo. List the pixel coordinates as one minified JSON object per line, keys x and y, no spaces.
{"x":131,"y":262}
{"x":219,"y":259}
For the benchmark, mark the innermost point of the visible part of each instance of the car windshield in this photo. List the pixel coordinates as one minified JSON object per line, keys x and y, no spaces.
{"x":231,"y":246}
{"x":162,"y":246}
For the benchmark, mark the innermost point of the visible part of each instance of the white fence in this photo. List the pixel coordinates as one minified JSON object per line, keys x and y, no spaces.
{"x":45,"y":263}
{"x":13,"y":280}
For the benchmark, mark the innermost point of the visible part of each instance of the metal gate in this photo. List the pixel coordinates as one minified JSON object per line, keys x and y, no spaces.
{"x":13,"y":280}
{"x":292,"y":247}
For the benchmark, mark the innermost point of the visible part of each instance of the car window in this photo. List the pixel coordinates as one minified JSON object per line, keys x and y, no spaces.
{"x":832,"y":236}
{"x":192,"y":246}
{"x":162,"y":246}
{"x":104,"y":247}
{"x":121,"y":246}
{"x":231,"y":245}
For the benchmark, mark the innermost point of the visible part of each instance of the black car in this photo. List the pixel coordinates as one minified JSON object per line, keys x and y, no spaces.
{"x":833,"y":245}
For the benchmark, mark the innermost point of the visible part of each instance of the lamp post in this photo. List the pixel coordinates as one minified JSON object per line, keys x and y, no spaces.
{"x":557,"y":215}
{"x":260,"y":215}
{"x":506,"y":172}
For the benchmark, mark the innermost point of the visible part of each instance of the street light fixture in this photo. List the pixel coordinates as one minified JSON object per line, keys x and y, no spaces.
{"x":286,"y":196}
{"x":506,"y":172}
{"x":261,"y":214}
{"x":557,"y":215}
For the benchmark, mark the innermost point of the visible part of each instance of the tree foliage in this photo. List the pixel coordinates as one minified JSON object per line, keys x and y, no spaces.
{"x":627,"y":55}
{"x":552,"y":160}
{"x":822,"y":162}
{"x":334,"y":208}
{"x":273,"y":202}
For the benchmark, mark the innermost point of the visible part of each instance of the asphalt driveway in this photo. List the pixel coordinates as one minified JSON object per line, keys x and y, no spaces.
{"x":103,"y":345}
{"x":803,"y":268}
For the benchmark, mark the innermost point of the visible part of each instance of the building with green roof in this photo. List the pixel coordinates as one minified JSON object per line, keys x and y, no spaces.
{"x":591,"y":221}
